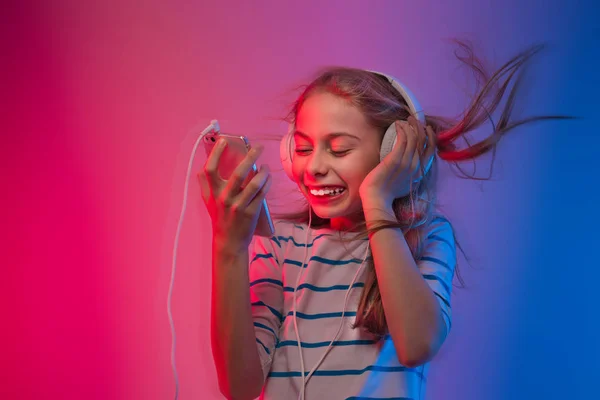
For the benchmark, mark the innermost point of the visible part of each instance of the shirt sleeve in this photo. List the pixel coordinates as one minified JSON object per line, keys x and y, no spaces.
{"x":438,"y":263}
{"x":266,"y":296}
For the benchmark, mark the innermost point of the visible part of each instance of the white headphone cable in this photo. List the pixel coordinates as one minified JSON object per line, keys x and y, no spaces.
{"x":341,"y":318}
{"x":294,"y":301}
{"x":213,"y":127}
{"x":305,"y":380}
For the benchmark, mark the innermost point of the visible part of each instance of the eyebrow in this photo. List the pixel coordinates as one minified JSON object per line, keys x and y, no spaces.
{"x":332,"y":135}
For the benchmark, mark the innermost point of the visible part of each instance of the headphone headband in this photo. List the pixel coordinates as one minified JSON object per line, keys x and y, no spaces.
{"x":413,"y":104}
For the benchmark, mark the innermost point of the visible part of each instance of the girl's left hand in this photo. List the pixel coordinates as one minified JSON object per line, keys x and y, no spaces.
{"x":393,"y":176}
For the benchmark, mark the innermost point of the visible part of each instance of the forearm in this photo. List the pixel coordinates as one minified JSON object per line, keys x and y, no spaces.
{"x":232,"y":330}
{"x":412,"y":312}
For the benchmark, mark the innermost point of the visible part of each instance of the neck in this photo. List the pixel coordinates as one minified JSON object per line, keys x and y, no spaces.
{"x":349,"y":223}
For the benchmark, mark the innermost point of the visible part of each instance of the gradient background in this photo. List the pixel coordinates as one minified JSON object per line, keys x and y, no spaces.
{"x":99,"y":102}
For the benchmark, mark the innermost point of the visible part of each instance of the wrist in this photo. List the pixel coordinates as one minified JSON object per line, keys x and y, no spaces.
{"x":378,"y":211}
{"x":375,"y":199}
{"x":375,"y":203}
{"x":227,"y":247}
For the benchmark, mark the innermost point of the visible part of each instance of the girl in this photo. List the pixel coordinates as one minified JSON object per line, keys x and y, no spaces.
{"x":351,"y":297}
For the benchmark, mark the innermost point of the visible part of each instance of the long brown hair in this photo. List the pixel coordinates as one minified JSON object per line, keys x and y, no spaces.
{"x":382,"y":105}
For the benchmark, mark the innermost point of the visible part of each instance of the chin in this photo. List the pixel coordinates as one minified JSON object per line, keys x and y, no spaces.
{"x":328,"y":212}
{"x":335,"y":211}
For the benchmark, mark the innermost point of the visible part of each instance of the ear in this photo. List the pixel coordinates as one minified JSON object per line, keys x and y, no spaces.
{"x":286,"y":151}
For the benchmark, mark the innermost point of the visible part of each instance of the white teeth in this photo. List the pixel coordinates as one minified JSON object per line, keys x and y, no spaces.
{"x":328,"y":192}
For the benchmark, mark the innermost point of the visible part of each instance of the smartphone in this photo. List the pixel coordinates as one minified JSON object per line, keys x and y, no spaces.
{"x":236,"y":150}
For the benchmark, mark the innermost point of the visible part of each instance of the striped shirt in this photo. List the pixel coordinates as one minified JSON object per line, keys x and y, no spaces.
{"x":359,"y":365}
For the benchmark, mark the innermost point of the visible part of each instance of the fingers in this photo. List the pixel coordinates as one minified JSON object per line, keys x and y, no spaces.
{"x":257,"y":200}
{"x":412,"y":139}
{"x":421,"y":131}
{"x":211,"y":171}
{"x":397,"y":152}
{"x":425,"y":148}
{"x":254,"y":187}
{"x":239,"y":175}
{"x":405,"y":149}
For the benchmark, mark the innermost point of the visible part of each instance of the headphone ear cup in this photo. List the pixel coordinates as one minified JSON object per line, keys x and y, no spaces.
{"x":286,"y":151}
{"x":389,"y":140}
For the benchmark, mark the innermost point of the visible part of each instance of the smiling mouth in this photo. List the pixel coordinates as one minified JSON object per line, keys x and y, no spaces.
{"x":327,"y":192}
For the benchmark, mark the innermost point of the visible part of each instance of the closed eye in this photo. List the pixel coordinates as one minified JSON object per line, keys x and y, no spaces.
{"x":340,"y":153}
{"x":302,"y":152}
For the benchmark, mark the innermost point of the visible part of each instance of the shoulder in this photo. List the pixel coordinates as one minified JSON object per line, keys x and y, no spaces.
{"x":439,"y":225}
{"x":438,"y":258}
{"x":438,"y":237}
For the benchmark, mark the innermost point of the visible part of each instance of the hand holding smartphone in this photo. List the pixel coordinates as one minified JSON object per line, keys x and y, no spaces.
{"x":234,"y":153}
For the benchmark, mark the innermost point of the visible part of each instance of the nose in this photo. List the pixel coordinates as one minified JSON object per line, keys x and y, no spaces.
{"x":317,"y":164}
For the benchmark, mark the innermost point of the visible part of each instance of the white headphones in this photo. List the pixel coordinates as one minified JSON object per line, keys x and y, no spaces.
{"x":286,"y":147}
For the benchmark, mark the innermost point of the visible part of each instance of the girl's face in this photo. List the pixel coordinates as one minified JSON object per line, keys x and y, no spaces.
{"x":335,"y":149}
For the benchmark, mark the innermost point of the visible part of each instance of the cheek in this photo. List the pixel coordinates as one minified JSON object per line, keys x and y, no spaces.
{"x":297,"y":169}
{"x":357,"y":170}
